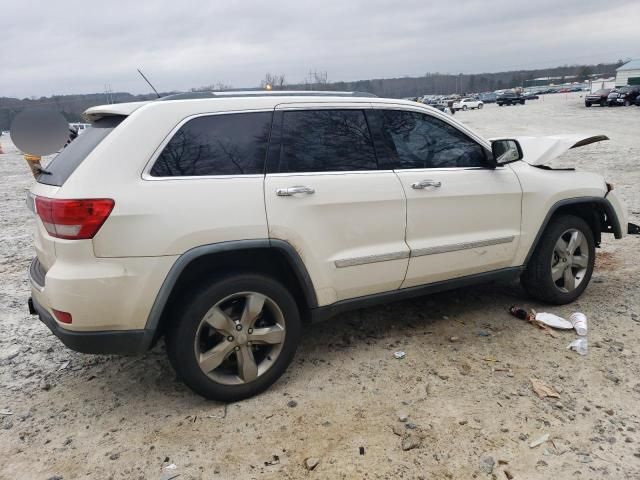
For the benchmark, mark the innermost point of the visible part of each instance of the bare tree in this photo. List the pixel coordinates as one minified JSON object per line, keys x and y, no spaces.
{"x":273,"y":81}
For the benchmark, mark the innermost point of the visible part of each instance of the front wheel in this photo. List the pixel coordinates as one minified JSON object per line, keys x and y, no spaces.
{"x":562,"y":263}
{"x":479,"y":106}
{"x":464,"y":107}
{"x":235,"y":337}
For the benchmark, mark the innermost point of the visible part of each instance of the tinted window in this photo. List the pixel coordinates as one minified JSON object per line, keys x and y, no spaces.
{"x":229,"y":144}
{"x":62,"y":166}
{"x":420,"y":141}
{"x":326,"y":141}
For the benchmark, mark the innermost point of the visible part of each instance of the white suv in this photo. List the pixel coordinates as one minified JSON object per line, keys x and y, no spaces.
{"x":467,"y":103}
{"x":226,"y":222}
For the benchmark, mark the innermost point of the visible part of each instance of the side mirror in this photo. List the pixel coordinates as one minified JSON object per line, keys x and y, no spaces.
{"x":506,"y":151}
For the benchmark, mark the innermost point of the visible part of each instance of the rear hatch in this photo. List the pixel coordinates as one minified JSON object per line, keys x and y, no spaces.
{"x":51,"y":181}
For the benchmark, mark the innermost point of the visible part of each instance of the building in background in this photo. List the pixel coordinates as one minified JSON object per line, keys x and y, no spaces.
{"x":629,"y":73}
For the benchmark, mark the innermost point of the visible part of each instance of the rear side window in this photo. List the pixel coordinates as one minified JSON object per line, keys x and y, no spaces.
{"x":227,"y":144}
{"x":326,"y":141}
{"x":421,"y":141}
{"x":62,"y":166}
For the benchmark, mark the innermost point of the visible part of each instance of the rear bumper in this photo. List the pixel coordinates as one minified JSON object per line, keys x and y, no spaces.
{"x":102,"y":342}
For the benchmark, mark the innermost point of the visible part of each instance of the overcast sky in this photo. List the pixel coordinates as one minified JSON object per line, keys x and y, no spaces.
{"x":49,"y":47}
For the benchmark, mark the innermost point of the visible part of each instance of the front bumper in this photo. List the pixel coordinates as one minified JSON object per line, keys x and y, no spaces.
{"x":104,"y":342}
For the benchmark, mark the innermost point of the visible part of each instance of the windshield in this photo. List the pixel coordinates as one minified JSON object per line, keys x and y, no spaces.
{"x":63,"y":165}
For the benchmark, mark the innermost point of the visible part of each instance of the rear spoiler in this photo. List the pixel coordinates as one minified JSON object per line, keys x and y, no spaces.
{"x":118,"y":109}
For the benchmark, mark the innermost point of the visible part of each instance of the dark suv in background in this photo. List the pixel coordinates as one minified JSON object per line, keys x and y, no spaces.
{"x":510,"y":98}
{"x":599,"y":97}
{"x":623,"y":95}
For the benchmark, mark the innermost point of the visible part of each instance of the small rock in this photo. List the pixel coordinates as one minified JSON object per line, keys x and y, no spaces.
{"x":609,"y":411}
{"x":292,"y":404}
{"x":539,"y":441}
{"x":410,"y":426}
{"x":523,"y":437}
{"x":508,"y":474}
{"x":442,"y":376}
{"x":487,"y":464}
{"x":454,"y":339}
{"x":55,"y":477}
{"x":397,"y":429}
{"x":114,"y":456}
{"x":558,"y":405}
{"x":403,"y":418}
{"x":541,"y":463}
{"x":484,"y":333}
{"x":463,"y":422}
{"x":411,"y":441}
{"x":311,"y":463}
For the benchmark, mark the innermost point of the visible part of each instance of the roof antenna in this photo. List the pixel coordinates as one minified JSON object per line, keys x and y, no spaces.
{"x":147,"y":80}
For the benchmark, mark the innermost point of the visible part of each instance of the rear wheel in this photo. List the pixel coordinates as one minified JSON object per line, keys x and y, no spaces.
{"x":587,"y":104}
{"x":235,"y":338}
{"x":603,"y":103}
{"x":562,"y":263}
{"x":464,"y":107}
{"x":627,"y":103}
{"x":479,"y":106}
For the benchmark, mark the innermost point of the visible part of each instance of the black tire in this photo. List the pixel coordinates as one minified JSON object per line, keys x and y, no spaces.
{"x":521,"y":102}
{"x":627,"y":103}
{"x":537,"y":277}
{"x":181,"y":337}
{"x":480,"y":105}
{"x":464,"y":107}
{"x":603,"y":103}
{"x":587,"y":104}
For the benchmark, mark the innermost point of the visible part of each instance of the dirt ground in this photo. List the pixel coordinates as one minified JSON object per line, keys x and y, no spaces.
{"x":464,"y":383}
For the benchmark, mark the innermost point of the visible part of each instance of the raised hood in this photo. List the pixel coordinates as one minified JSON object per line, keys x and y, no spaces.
{"x":117,"y":109}
{"x":542,"y":150}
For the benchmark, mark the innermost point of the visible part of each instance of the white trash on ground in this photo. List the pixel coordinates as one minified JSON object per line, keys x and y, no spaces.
{"x":554,"y":321}
{"x":579,"y":322}
{"x":579,"y":345}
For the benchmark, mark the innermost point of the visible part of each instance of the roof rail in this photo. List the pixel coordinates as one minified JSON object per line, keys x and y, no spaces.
{"x":263,"y":93}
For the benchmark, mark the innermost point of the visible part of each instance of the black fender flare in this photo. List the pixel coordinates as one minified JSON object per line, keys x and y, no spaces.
{"x":169,"y":283}
{"x":616,"y":228}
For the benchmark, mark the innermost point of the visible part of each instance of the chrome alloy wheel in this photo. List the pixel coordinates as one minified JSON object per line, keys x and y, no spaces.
{"x":570,"y":260}
{"x":240,"y":338}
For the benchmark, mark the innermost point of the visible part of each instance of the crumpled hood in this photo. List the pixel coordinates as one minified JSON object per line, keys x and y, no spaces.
{"x":542,"y":150}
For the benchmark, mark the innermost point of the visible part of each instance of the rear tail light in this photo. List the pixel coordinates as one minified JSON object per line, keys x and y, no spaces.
{"x":73,"y":219}
{"x":63,"y":317}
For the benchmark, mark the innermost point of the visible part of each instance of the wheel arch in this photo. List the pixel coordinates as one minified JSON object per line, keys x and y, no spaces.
{"x":596,"y":211}
{"x":276,"y":258}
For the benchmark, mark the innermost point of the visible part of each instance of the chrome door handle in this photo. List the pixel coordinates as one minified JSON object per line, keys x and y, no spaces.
{"x":426,"y":183}
{"x":288,"y":192}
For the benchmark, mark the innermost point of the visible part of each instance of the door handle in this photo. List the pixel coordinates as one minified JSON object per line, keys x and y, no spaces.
{"x":426,"y":183}
{"x":288,"y":192}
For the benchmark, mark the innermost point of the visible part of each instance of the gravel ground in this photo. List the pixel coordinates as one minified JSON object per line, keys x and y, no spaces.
{"x":464,"y":384}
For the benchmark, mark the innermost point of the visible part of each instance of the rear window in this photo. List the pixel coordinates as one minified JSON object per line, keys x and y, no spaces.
{"x":227,"y":144}
{"x":65,"y":163}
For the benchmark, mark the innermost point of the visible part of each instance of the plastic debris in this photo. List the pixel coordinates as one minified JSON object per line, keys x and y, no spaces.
{"x":399,"y":355}
{"x":542,"y":389}
{"x":539,"y":441}
{"x":553,"y":321}
{"x":579,"y":345}
{"x":579,"y":322}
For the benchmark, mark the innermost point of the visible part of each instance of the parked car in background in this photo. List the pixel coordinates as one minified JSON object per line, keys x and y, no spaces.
{"x":467,"y":104}
{"x":442,"y":108}
{"x":489,"y":97}
{"x":510,"y":98}
{"x":599,"y":97}
{"x":530,"y":96}
{"x":638,"y":101}
{"x":623,"y":96}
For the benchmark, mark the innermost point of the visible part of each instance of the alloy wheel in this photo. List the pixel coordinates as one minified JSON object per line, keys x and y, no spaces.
{"x":240,"y":338}
{"x":570,"y":260}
